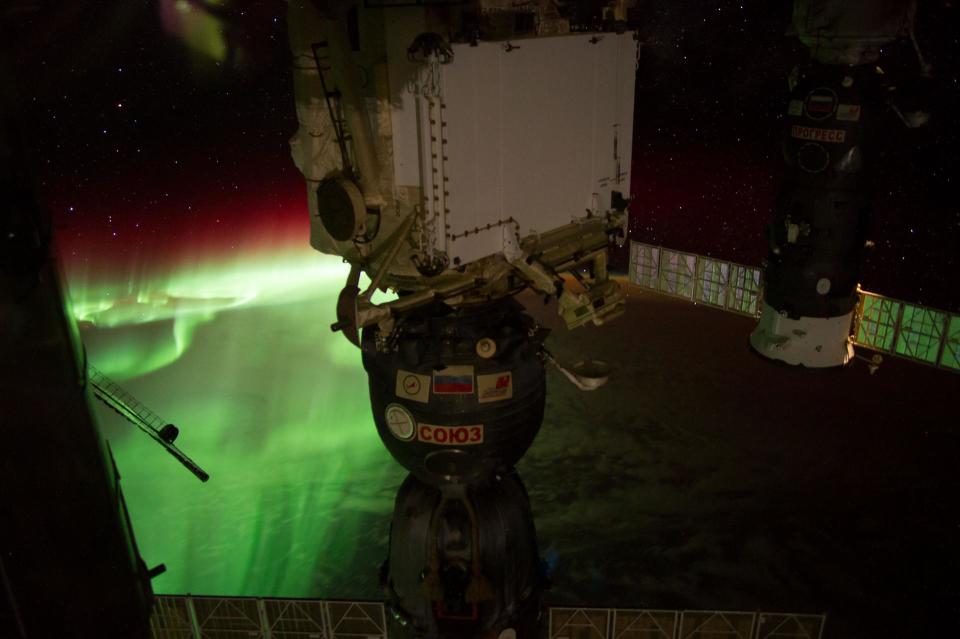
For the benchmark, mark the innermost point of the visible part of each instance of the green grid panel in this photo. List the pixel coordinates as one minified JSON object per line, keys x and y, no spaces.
{"x":709,"y":624}
{"x":171,"y":619}
{"x":295,"y":619}
{"x":645,"y":265}
{"x":951,"y":349}
{"x":356,"y":620}
{"x":678,"y":273}
{"x":877,"y":322}
{"x":787,"y":626}
{"x":744,"y":289}
{"x":579,"y":623}
{"x":228,"y":617}
{"x":712,"y":278}
{"x":644,"y":624}
{"x":921,"y":332}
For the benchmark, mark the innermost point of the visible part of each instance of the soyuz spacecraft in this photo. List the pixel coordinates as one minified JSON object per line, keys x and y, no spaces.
{"x":458,"y":153}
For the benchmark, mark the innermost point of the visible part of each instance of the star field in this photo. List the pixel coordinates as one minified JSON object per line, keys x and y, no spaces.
{"x":711,"y":101}
{"x":143,"y":147}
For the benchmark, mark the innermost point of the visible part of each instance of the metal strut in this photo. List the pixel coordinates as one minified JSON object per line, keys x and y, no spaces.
{"x":329,"y":96}
{"x":111,"y":394}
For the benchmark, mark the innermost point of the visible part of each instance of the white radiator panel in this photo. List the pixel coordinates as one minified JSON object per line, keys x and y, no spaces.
{"x":529,"y":135}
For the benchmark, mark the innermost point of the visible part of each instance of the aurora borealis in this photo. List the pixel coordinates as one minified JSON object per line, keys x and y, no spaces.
{"x":698,"y":477}
{"x":238,"y":353}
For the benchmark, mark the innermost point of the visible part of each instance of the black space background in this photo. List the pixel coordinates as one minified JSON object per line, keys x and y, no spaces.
{"x":710,"y":98}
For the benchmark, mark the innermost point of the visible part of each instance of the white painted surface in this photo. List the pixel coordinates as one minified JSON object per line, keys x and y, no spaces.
{"x":815,"y":342}
{"x":530,"y":134}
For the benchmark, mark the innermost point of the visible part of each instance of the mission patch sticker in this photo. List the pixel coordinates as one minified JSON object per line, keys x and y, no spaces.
{"x":493,"y":388}
{"x":400,"y":422}
{"x":453,"y":380}
{"x":848,"y":112}
{"x":412,"y":386}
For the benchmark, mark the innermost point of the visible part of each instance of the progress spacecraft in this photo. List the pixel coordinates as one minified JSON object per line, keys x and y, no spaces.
{"x":839,"y":102}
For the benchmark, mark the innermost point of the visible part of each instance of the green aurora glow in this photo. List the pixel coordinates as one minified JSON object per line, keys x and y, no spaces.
{"x":238,"y":353}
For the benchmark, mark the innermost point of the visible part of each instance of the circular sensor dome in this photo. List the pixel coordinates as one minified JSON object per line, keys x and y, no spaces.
{"x":813,"y":158}
{"x":341,"y":208}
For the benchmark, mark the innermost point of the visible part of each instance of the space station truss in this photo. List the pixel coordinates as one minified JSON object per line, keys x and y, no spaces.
{"x":230,"y":617}
{"x":187,"y":617}
{"x":616,"y":623}
{"x":122,"y":401}
{"x":891,"y":326}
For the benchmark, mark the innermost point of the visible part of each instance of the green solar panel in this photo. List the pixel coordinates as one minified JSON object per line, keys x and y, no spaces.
{"x":645,"y":265}
{"x":951,"y":348}
{"x":711,"y":285}
{"x":745,"y":289}
{"x":877,"y":325}
{"x":882,"y":324}
{"x":921,"y":332}
{"x":677,"y":273}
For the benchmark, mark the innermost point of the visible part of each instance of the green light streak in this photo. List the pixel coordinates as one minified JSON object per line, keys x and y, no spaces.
{"x":200,"y":31}
{"x":177,"y":304}
{"x":238,"y":353}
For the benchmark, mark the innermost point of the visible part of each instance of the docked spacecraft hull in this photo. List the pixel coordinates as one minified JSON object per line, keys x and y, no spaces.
{"x":819,"y":230}
{"x":460,"y":394}
{"x":453,"y":167}
{"x":463,"y":562}
{"x":819,"y":227}
{"x":452,"y":155}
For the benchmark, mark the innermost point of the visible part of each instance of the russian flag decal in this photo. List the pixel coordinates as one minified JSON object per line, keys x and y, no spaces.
{"x":453,"y":380}
{"x":820,"y":103}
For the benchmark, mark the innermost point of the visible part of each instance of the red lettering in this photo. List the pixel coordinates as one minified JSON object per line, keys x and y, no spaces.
{"x":450,"y":435}
{"x":823,"y":135}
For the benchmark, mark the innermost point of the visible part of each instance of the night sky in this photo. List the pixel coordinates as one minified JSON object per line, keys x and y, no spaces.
{"x":150,"y":152}
{"x":169,"y":173}
{"x":146,"y":150}
{"x":711,"y":96}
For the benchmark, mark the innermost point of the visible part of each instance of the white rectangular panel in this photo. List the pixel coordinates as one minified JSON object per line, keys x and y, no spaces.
{"x":405,"y":24}
{"x":537,"y":133}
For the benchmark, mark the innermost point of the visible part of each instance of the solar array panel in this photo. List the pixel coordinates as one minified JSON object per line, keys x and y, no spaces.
{"x":698,"y":278}
{"x":907,"y":330}
{"x":884,"y":324}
